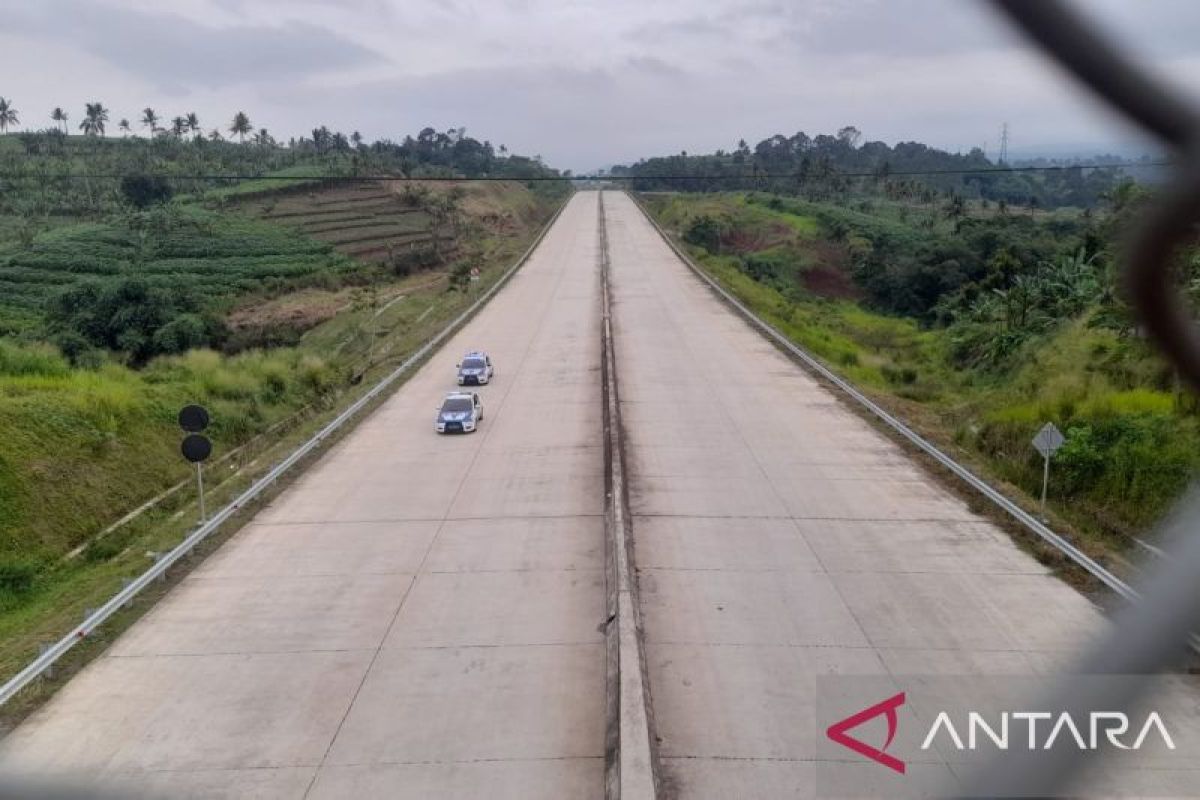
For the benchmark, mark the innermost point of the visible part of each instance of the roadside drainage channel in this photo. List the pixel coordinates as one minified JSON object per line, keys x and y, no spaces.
{"x":631,"y":764}
{"x":54,"y":652}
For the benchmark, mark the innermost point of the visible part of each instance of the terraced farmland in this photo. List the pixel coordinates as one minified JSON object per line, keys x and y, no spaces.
{"x":368,"y":221}
{"x":219,"y":255}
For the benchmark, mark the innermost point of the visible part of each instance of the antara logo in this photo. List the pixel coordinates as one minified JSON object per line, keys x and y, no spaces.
{"x":837,"y":732}
{"x":1114,"y":725}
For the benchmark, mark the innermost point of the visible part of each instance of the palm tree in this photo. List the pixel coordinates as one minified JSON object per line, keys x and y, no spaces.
{"x":356,"y":138}
{"x":8,"y":115}
{"x":215,"y":135}
{"x":95,"y":117}
{"x":58,"y":115}
{"x":150,"y":120}
{"x":124,"y":126}
{"x":178,"y":127}
{"x":241,"y":125}
{"x":264,"y":138}
{"x":193,"y":122}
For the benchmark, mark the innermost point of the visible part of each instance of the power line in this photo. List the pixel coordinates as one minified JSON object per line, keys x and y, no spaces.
{"x":620,"y":177}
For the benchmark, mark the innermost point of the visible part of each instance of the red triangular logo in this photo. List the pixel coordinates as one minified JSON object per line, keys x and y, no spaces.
{"x":837,"y":732}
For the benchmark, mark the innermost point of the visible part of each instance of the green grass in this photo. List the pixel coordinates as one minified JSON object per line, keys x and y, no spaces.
{"x":288,"y":178}
{"x":80,"y":444}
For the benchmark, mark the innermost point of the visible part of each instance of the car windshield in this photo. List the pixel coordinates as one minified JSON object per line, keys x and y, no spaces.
{"x":456,"y":405}
{"x":472,"y":363}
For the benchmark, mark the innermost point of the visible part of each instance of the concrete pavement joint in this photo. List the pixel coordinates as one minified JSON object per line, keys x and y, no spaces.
{"x":630,"y":752}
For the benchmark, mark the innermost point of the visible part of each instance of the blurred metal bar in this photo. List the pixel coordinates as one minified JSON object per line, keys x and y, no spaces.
{"x":1149,"y":636}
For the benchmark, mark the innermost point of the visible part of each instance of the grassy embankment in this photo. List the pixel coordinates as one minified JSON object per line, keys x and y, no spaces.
{"x":82,"y":445}
{"x":1133,"y":438}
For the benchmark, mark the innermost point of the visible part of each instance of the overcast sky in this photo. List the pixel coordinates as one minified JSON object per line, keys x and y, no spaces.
{"x":584,"y":84}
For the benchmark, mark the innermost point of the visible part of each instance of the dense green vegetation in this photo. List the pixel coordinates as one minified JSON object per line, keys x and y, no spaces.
{"x":978,"y":327}
{"x":837,"y":167}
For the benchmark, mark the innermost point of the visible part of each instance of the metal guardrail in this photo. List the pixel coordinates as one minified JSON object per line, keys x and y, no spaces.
{"x":1019,"y":514}
{"x":56,"y":651}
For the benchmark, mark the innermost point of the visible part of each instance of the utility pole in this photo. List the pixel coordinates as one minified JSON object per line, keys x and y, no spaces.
{"x":1004,"y":143}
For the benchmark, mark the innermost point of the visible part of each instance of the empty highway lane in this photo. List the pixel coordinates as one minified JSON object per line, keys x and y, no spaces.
{"x":780,"y":537}
{"x":417,"y":616}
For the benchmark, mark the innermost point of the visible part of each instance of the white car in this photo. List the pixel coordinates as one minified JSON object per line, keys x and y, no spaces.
{"x":461,"y":412}
{"x":476,"y":367}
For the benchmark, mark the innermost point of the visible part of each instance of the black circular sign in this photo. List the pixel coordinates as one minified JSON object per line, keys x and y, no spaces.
{"x":196,"y":448}
{"x":193,"y":418}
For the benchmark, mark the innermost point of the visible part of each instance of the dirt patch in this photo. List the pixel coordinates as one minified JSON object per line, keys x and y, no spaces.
{"x":831,"y":283}
{"x":831,"y":277}
{"x":299,"y":310}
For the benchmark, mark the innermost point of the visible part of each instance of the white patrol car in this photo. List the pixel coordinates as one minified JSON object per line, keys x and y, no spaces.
{"x":476,"y":367}
{"x":461,"y":412}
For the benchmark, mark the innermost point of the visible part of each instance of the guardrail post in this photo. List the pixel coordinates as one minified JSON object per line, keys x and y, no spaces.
{"x":48,"y":672}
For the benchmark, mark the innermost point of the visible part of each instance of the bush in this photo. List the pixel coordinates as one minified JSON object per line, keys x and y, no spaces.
{"x":129,"y":315}
{"x":460,"y":277}
{"x":41,"y":361}
{"x":143,"y":191}
{"x":18,"y":575}
{"x":181,"y":334}
{"x":316,"y":376}
{"x":1079,"y":463}
{"x":705,"y":231}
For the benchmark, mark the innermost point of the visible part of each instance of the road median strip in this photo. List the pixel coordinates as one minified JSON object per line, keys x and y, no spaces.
{"x":632,"y":772}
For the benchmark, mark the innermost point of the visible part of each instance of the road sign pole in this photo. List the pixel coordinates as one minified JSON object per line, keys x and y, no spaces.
{"x":1045,"y":482}
{"x":200,"y":490}
{"x":1047,"y":441}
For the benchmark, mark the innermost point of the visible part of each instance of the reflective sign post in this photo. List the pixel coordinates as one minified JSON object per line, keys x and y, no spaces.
{"x":1047,"y":441}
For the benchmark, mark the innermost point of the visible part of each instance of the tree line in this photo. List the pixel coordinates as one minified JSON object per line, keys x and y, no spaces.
{"x":840,"y":166}
{"x":96,"y":118}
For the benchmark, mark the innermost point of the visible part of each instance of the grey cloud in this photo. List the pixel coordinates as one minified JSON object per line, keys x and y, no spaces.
{"x":592,"y":82}
{"x":690,"y":28}
{"x":174,"y":52}
{"x":652,"y":65}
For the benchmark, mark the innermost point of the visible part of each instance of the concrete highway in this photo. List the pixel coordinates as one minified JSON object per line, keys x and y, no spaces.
{"x":780,"y":537}
{"x":421,"y":616}
{"x":417,"y":616}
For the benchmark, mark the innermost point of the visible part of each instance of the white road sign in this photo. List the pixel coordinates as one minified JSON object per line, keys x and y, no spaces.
{"x":1048,"y":440}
